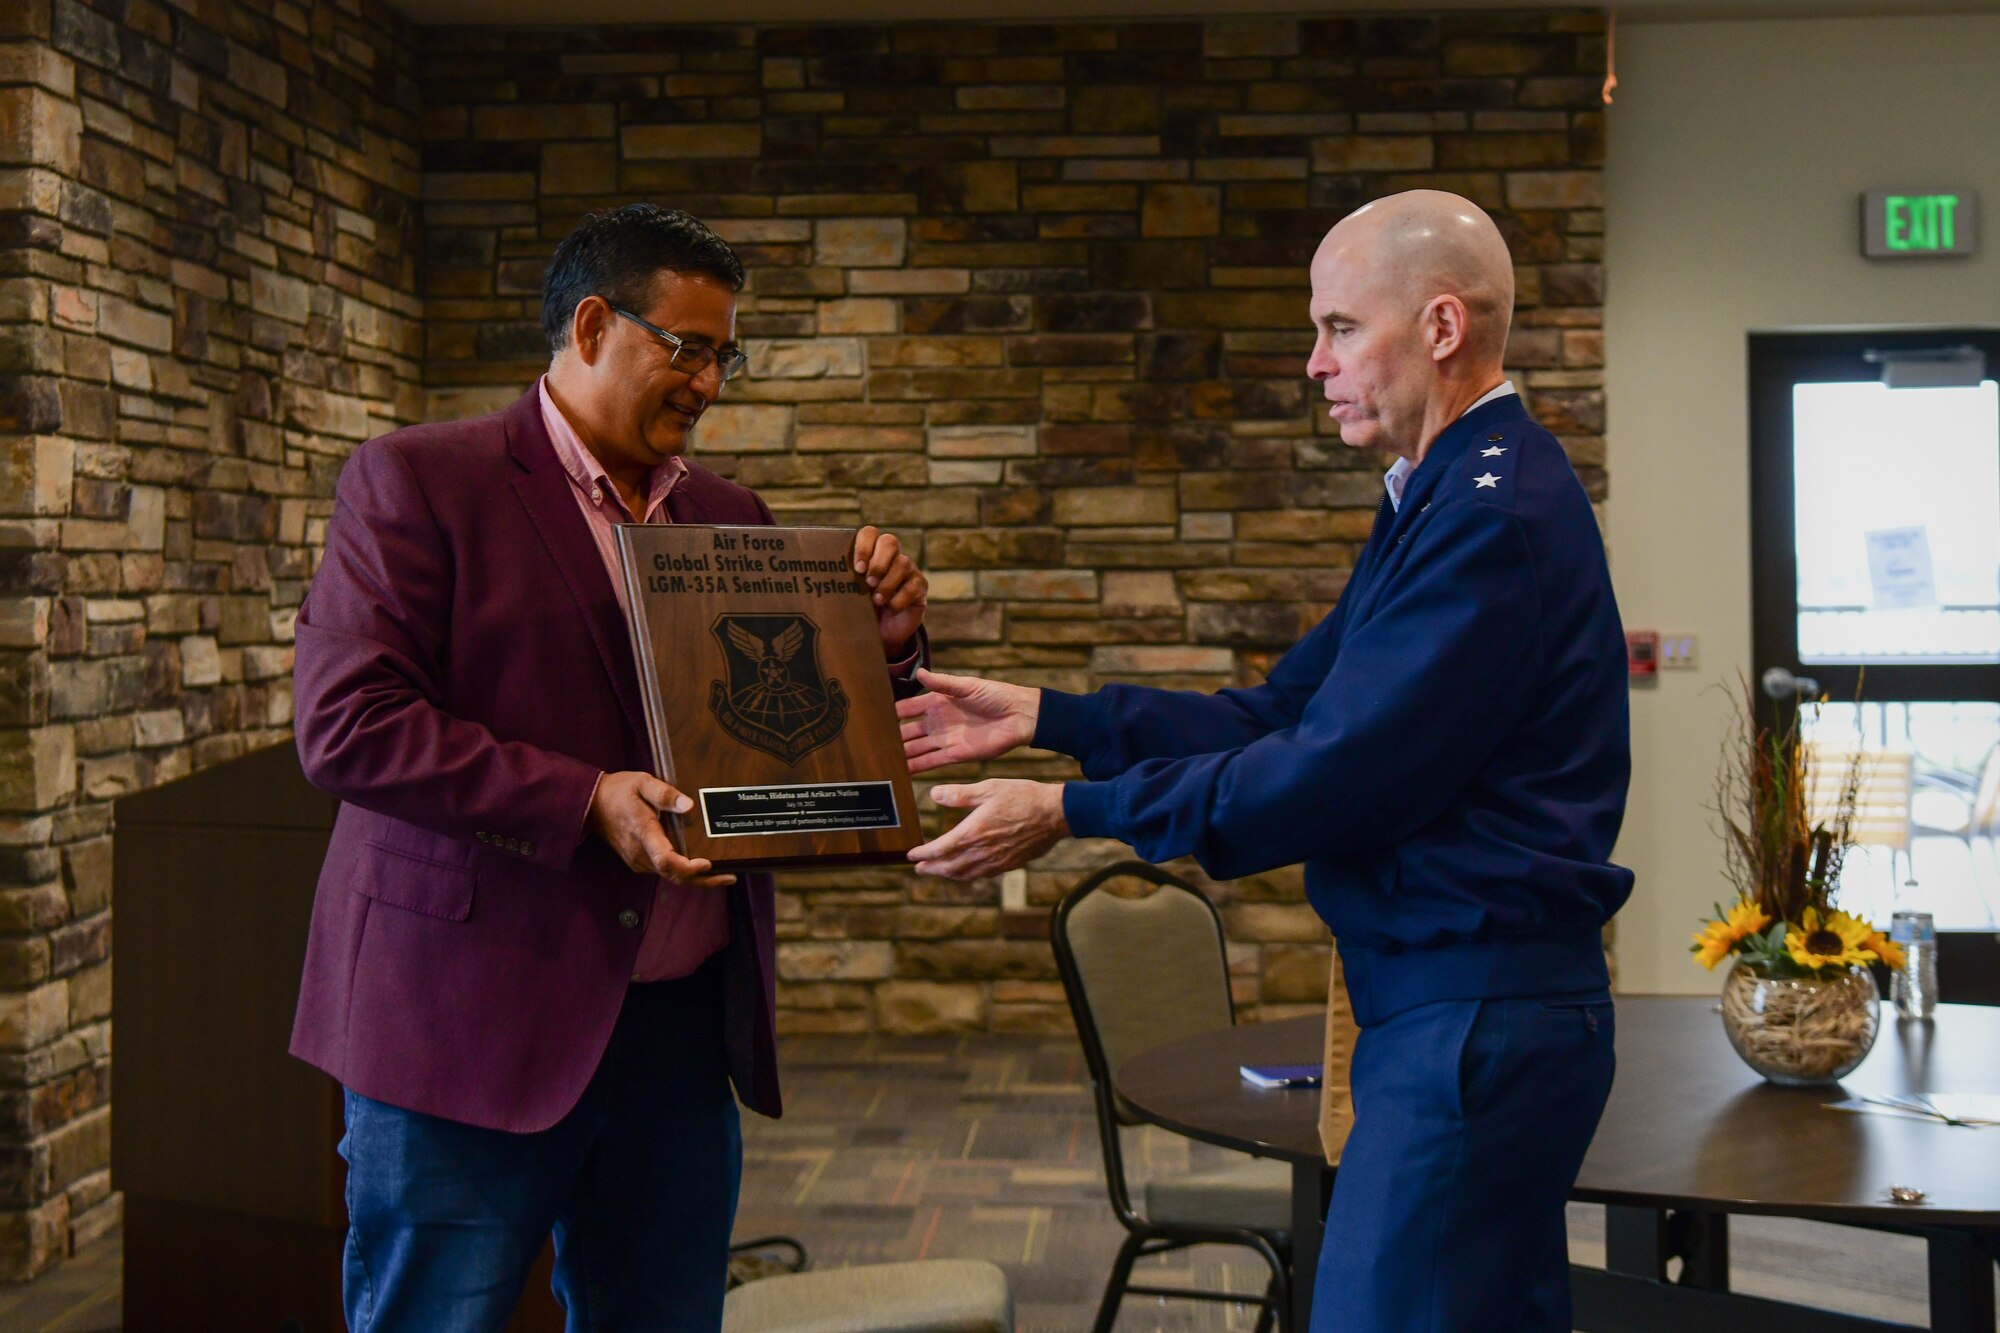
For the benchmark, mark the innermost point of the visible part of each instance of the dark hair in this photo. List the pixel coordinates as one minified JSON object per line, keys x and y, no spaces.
{"x":615,"y":255}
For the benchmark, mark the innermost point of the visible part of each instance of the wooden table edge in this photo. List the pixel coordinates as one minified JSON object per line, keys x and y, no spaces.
{"x":1884,"y":1215}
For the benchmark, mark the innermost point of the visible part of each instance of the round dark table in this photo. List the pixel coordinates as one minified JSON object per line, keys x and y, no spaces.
{"x":1690,"y":1136}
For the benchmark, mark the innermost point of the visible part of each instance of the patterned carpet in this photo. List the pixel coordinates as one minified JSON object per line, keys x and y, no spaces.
{"x":968,"y":1148}
{"x":985,"y":1147}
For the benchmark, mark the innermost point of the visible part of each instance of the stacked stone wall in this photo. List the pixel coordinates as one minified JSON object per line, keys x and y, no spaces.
{"x":1033,"y":295}
{"x":208,"y":296}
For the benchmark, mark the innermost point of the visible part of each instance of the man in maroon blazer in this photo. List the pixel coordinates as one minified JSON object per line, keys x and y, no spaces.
{"x":535,"y":1004}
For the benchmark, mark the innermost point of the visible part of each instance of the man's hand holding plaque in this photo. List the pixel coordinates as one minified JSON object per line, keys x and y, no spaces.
{"x":897,"y":589}
{"x":625,"y":811}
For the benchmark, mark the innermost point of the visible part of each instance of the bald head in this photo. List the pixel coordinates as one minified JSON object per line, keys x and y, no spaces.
{"x":1412,"y":296}
{"x":1424,"y":244}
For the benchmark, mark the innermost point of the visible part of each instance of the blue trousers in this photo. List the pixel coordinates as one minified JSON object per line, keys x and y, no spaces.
{"x":637,"y":1184}
{"x":1471,"y":1118}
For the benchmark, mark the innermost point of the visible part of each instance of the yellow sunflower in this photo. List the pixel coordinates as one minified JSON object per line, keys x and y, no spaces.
{"x":1716,"y":940}
{"x":1838,"y":941}
{"x":1886,"y":949}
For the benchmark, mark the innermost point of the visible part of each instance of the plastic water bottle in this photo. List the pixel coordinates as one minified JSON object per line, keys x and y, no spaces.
{"x":1915,"y":987}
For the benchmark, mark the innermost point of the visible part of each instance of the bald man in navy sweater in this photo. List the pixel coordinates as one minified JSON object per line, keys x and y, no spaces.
{"x":1447,"y":752}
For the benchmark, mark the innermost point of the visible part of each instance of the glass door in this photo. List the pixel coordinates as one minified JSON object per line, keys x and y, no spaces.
{"x":1875,"y":537}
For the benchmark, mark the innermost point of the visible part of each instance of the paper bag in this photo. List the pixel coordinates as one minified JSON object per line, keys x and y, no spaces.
{"x":1336,"y":1097}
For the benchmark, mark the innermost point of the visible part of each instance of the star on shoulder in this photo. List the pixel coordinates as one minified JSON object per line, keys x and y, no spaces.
{"x":1495,"y":447}
{"x":1490,"y":456}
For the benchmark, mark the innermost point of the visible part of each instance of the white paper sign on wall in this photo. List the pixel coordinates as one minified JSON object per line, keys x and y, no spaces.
{"x":1899,"y":567}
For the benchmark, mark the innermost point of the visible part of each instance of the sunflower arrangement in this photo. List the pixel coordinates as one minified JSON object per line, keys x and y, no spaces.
{"x":1782,"y":949}
{"x":1795,"y":1005}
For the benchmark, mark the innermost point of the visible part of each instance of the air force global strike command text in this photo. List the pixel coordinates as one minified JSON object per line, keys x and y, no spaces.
{"x":730,"y":567}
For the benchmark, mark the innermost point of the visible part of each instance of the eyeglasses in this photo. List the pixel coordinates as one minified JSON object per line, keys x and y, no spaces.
{"x":690,"y":358}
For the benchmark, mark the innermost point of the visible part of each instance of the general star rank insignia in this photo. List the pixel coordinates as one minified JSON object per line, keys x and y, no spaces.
{"x":775,"y":698}
{"x":1485,"y":483}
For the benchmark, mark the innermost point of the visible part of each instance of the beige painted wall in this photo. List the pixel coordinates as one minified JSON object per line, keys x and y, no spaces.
{"x":1736,"y":155}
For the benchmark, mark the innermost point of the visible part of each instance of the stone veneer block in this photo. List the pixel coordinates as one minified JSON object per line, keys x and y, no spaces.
{"x":642,"y":143}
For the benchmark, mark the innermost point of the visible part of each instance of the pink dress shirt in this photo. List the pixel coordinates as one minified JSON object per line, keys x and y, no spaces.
{"x":687,"y":925}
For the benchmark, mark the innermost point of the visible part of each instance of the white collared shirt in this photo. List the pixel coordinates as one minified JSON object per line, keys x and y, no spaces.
{"x":1400,"y":470}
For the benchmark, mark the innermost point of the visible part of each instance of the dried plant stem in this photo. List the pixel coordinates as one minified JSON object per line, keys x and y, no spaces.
{"x":1804,"y":1031}
{"x":1778,"y":852}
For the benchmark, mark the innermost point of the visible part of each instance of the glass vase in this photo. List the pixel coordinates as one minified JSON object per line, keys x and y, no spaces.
{"x":1800,"y":1032}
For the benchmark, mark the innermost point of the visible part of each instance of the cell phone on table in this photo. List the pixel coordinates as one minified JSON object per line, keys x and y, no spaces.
{"x":1282,"y":1076}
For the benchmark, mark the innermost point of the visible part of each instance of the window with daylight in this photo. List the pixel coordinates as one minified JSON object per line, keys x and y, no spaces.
{"x":1875,"y":575}
{"x":1897,"y":493}
{"x":1932,"y":840}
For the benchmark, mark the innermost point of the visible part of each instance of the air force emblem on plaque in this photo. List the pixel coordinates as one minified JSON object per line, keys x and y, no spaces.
{"x":775,"y":699}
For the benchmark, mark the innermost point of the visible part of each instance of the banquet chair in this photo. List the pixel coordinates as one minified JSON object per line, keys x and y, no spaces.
{"x":1882,"y":800}
{"x":1979,"y":794}
{"x":1968,"y":967}
{"x":920,"y":1296}
{"x":1138,"y":972}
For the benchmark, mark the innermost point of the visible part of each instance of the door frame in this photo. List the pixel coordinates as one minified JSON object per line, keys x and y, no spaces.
{"x":1777,"y":361}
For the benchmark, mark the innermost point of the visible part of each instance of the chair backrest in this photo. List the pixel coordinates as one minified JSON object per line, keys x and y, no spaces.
{"x":1968,"y":966}
{"x":1140,"y":971}
{"x":1882,"y":804}
{"x":1985,"y":813}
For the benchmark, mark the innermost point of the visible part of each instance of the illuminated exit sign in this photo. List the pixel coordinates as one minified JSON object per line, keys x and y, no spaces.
{"x":1907,"y":224}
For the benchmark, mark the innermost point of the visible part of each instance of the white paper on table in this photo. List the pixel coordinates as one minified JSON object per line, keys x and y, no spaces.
{"x":1978,"y":1110}
{"x":1899,"y":568}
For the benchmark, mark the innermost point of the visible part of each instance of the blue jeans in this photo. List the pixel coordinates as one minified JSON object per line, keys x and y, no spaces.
{"x":637,"y":1183}
{"x":1471,"y":1118}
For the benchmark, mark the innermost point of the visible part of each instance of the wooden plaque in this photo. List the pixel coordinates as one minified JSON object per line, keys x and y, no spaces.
{"x":767,"y":695}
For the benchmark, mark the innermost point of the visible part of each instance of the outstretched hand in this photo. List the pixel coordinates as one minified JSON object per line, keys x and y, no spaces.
{"x":962,"y":719}
{"x":1012,"y":822}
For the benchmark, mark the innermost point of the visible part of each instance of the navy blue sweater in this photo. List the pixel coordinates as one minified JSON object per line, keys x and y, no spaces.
{"x":1447,"y":751}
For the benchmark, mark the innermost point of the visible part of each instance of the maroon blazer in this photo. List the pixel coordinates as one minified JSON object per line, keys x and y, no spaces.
{"x":464,"y":673}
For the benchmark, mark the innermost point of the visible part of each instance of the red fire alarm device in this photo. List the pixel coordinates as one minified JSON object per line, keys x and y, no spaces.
{"x":1642,"y":655}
